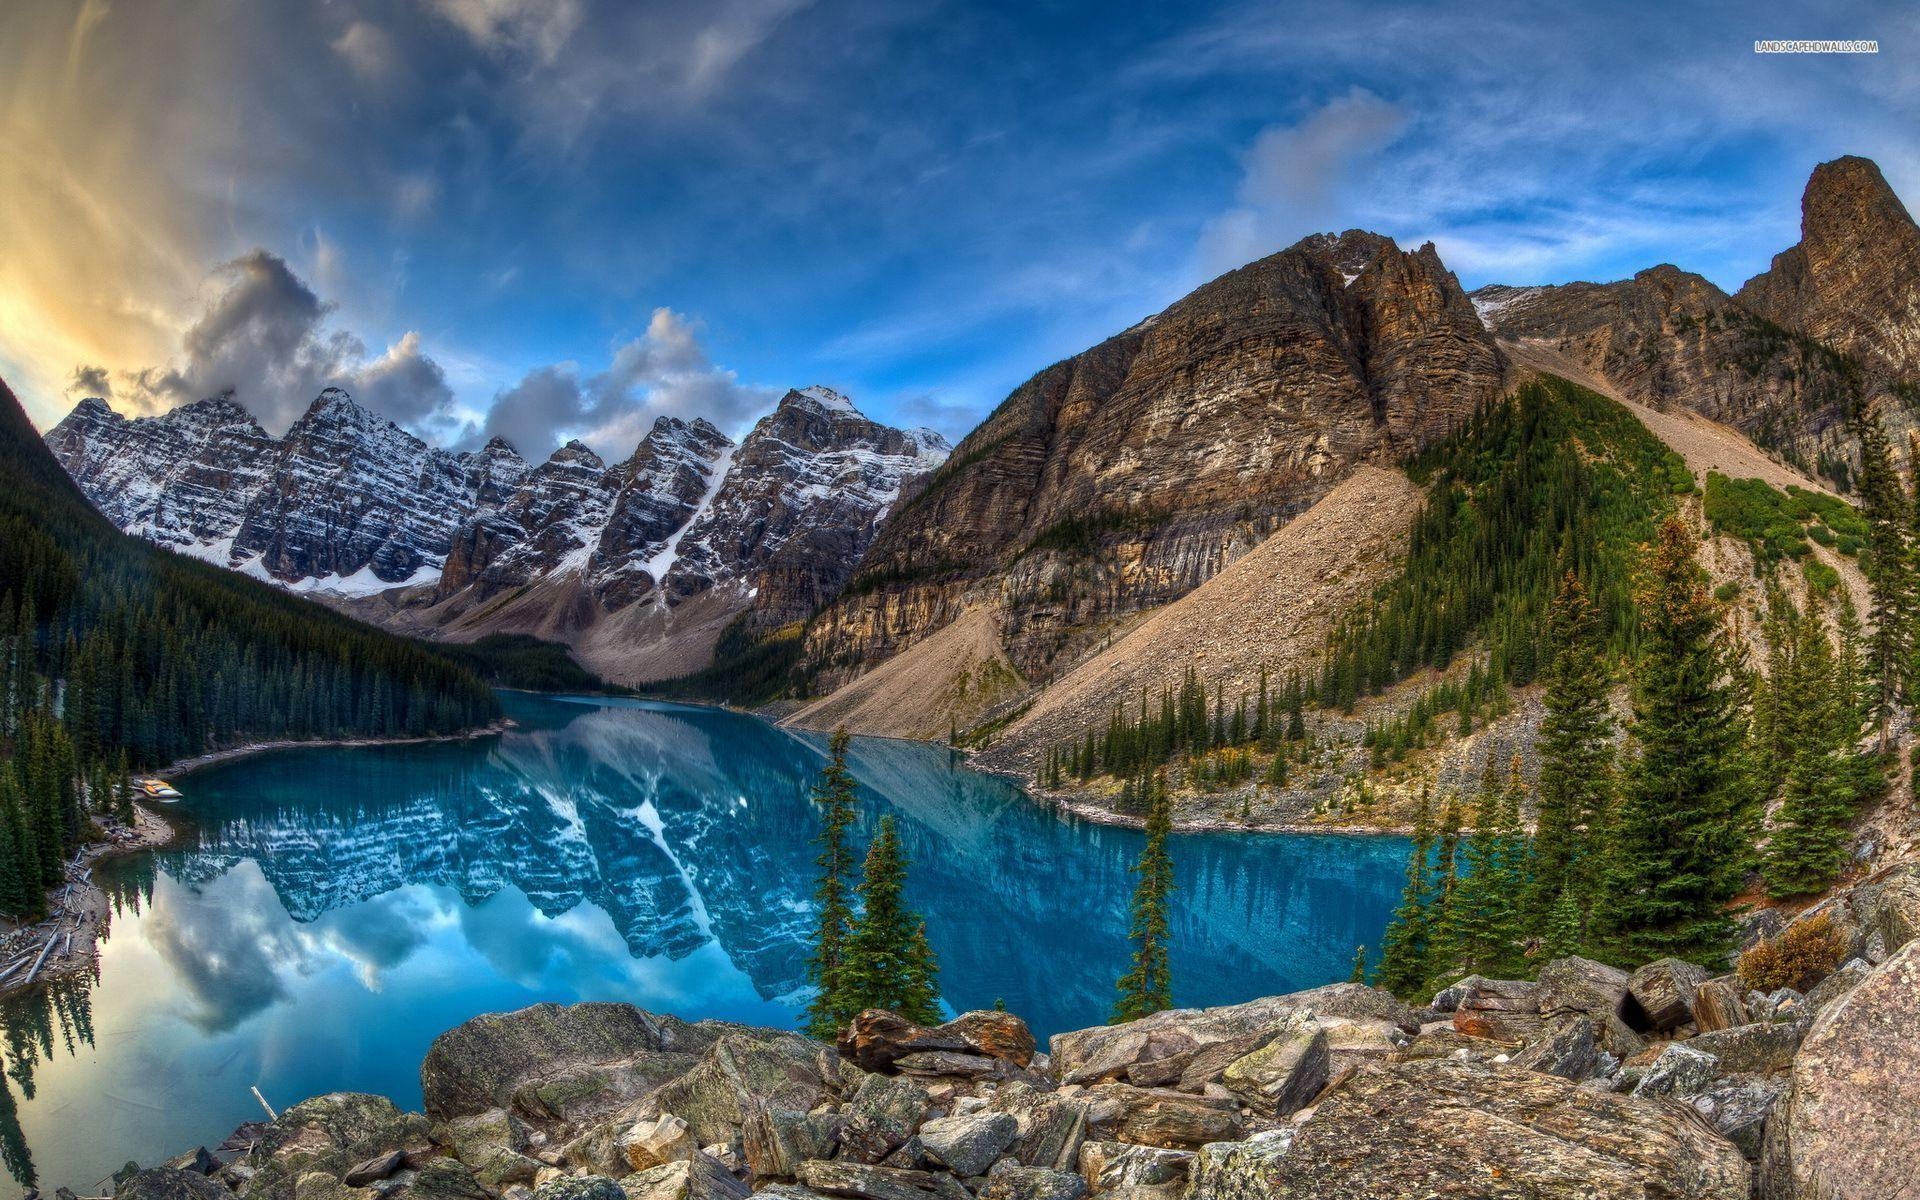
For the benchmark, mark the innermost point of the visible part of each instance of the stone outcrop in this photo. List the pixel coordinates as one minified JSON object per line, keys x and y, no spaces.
{"x":1851,"y":1125}
{"x":1129,"y":474}
{"x":1422,"y":1129}
{"x":1853,"y":280}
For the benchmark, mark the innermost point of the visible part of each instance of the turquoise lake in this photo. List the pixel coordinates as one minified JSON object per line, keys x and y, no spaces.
{"x":326,"y":912}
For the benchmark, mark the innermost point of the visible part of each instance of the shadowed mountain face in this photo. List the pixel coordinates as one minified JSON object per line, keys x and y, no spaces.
{"x":1129,"y":474}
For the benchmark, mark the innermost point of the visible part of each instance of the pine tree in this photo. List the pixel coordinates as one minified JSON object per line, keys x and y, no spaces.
{"x":1485,"y":910}
{"x":888,"y":962}
{"x":832,"y":1007}
{"x":1678,"y":841}
{"x":1359,"y":973}
{"x":1565,"y":929}
{"x":1576,"y":753}
{"x":1817,"y":777}
{"x":1404,"y":947}
{"x":1888,"y":566}
{"x":1148,"y":987}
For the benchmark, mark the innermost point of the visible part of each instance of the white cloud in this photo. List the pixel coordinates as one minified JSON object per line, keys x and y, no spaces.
{"x":1297,"y":179}
{"x":663,"y":372}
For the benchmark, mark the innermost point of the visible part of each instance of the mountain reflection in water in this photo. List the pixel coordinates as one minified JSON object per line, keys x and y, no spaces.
{"x":326,"y":912}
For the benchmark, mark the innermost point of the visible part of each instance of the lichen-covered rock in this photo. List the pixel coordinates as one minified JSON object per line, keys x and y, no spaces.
{"x":1739,"y":1110}
{"x":1128,"y":1172}
{"x":1762,"y":1048}
{"x":1049,"y":1129}
{"x":331,"y":1134}
{"x":1284,"y":1075}
{"x":1033,"y":1183}
{"x":580,"y":1187}
{"x":1719,"y":1003}
{"x":701,"y":1177}
{"x":442,"y":1179}
{"x":775,"y":1141}
{"x":1681,"y":1070}
{"x":1181,"y":1036}
{"x":1157,"y":1117}
{"x":880,"y":1117}
{"x":1850,"y":1126}
{"x":779,"y":1069}
{"x":1565,"y":1048}
{"x":968,"y":1145}
{"x":1575,"y":986}
{"x":170,"y":1183}
{"x":879,"y":1183}
{"x":587,"y":1050}
{"x":1845,"y":978}
{"x":1664,"y":991}
{"x":1411,"y":1131}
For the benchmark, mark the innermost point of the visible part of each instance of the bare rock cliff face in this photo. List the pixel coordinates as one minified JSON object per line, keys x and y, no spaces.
{"x":1669,"y":338}
{"x":1853,"y":282}
{"x":1129,"y":474}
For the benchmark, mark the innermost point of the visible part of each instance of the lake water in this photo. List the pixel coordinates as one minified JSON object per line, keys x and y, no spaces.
{"x":326,"y":912}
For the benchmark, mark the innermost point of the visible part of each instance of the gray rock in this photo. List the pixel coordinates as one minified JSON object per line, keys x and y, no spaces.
{"x":880,"y":1117}
{"x":739,"y":1068}
{"x":1850,"y":1125}
{"x":1738,"y":1111}
{"x":436,"y":1179}
{"x":1106,"y":1052}
{"x":1138,"y":1172}
{"x":1843,"y":980}
{"x":1049,"y":1128}
{"x":877,"y":1183}
{"x":656,"y":1142}
{"x":1764,"y":1048}
{"x":1580,"y":986}
{"x":1566,"y":1049}
{"x":580,"y":1187}
{"x":1284,"y":1075}
{"x":169,"y":1183}
{"x":702,"y":1177}
{"x":1719,"y":1003}
{"x":1415,"y":1130}
{"x":482,"y":1064}
{"x":968,"y":1145}
{"x":376,"y":1168}
{"x":329,"y":1134}
{"x":1680,"y":1071}
{"x":1033,"y":1183}
{"x":1157,"y":1117}
{"x":1448,"y":998}
{"x":775,"y":1141}
{"x":199,"y":1159}
{"x":1760,"y":925}
{"x":1506,"y":1009}
{"x":1664,"y":991}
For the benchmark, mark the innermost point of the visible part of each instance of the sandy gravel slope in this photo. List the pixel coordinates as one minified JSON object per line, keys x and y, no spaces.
{"x":947,"y":681}
{"x":1273,"y":607}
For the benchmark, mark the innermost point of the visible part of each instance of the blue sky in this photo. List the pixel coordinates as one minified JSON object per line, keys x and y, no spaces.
{"x":560,"y":217}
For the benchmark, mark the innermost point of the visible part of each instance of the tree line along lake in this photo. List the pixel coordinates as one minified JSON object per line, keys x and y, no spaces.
{"x":325,"y":912}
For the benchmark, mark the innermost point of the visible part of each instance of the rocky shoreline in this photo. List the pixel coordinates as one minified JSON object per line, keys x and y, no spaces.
{"x":1587,"y":1081}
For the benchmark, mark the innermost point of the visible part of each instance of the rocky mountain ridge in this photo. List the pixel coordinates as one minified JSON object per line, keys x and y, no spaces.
{"x":1664,"y":1081}
{"x":1127,"y":475}
{"x":357,"y":511}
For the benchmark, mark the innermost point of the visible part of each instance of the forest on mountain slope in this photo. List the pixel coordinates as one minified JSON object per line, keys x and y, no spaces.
{"x":117,"y":656}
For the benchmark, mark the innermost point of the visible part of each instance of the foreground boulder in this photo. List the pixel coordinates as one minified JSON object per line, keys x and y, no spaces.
{"x":170,"y":1183}
{"x":1167,"y":1047}
{"x":1850,"y":1125}
{"x":876,"y":1040}
{"x":1440,"y":1128}
{"x":557,"y":1060}
{"x":330,"y":1135}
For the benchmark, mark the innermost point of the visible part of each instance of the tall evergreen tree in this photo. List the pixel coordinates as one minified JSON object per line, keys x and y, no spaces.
{"x":1888,"y":566}
{"x":1678,"y":840}
{"x":1576,"y":753}
{"x":1148,"y":987}
{"x":832,"y":1007}
{"x":1404,"y":968}
{"x":1818,"y":772}
{"x":888,"y":962}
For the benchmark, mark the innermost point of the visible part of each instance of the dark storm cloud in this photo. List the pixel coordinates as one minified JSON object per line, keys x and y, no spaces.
{"x":263,"y":336}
